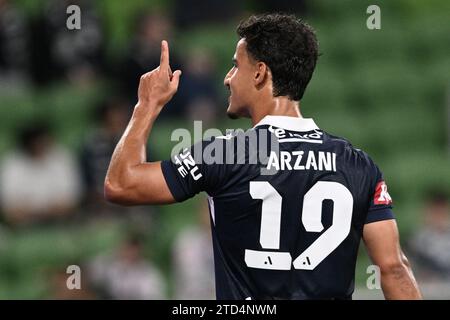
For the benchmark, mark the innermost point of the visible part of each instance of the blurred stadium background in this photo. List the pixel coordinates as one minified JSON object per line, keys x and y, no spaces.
{"x":65,"y":96}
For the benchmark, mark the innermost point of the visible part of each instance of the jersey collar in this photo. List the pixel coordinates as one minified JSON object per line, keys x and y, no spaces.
{"x":289,"y":123}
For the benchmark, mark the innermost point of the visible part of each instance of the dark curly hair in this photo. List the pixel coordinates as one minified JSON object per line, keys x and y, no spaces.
{"x":287,"y":45}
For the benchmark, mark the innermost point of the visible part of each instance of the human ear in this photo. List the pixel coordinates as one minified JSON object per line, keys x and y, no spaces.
{"x":260,"y":74}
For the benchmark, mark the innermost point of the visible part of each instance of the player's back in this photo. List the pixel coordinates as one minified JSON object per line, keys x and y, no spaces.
{"x":290,"y":227}
{"x":287,"y":211}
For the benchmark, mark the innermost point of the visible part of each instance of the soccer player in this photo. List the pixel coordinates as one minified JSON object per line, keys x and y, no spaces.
{"x":288,"y":209}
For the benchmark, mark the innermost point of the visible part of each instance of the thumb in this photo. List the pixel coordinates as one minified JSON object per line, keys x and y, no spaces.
{"x":175,"y":79}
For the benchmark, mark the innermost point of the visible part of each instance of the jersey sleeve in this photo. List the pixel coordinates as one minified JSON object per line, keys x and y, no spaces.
{"x":380,"y":206}
{"x":192,"y":171}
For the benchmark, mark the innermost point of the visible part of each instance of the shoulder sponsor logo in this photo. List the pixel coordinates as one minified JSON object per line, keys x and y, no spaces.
{"x":381,"y":194}
{"x":186,"y":164}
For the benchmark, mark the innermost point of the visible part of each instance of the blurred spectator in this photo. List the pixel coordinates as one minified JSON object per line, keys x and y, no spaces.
{"x":127,"y":274}
{"x":14,"y":49}
{"x":204,"y":109}
{"x":193,"y":260}
{"x":111,"y":119}
{"x":430,"y":244}
{"x":39,"y":182}
{"x":189,"y":14}
{"x":289,"y":6}
{"x":57,"y":52}
{"x":144,"y":55}
{"x":198,"y":89}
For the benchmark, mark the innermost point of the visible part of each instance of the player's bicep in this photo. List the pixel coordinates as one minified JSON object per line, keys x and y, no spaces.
{"x":382,"y":243}
{"x":147,"y":186}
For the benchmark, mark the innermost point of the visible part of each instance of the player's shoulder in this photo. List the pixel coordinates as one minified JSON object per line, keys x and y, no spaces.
{"x":350,"y":152}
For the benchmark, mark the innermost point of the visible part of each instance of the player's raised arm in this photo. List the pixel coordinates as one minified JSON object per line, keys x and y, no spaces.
{"x":130,"y":178}
{"x":382,"y":242}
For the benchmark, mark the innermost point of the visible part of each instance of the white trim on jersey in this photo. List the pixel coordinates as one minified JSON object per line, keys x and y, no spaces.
{"x":299,"y":140}
{"x":289,"y":123}
{"x":211,"y":209}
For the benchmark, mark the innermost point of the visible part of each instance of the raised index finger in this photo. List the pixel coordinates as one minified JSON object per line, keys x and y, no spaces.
{"x":164,"y":62}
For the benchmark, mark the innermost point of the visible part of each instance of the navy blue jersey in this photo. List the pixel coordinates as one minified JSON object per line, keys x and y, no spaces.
{"x":288,"y":204}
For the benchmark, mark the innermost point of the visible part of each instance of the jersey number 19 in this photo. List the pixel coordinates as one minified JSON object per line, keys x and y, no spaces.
{"x":311,"y":217}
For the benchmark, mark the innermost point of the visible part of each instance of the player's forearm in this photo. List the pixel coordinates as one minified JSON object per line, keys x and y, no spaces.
{"x":130,"y":151}
{"x":398,"y":283}
{"x":132,"y":146}
{"x":124,"y":179}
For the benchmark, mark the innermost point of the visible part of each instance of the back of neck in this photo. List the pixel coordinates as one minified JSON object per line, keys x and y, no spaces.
{"x":277,"y":106}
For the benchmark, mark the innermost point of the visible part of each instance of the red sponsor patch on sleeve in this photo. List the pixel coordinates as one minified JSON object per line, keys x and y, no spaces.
{"x":381,"y":195}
